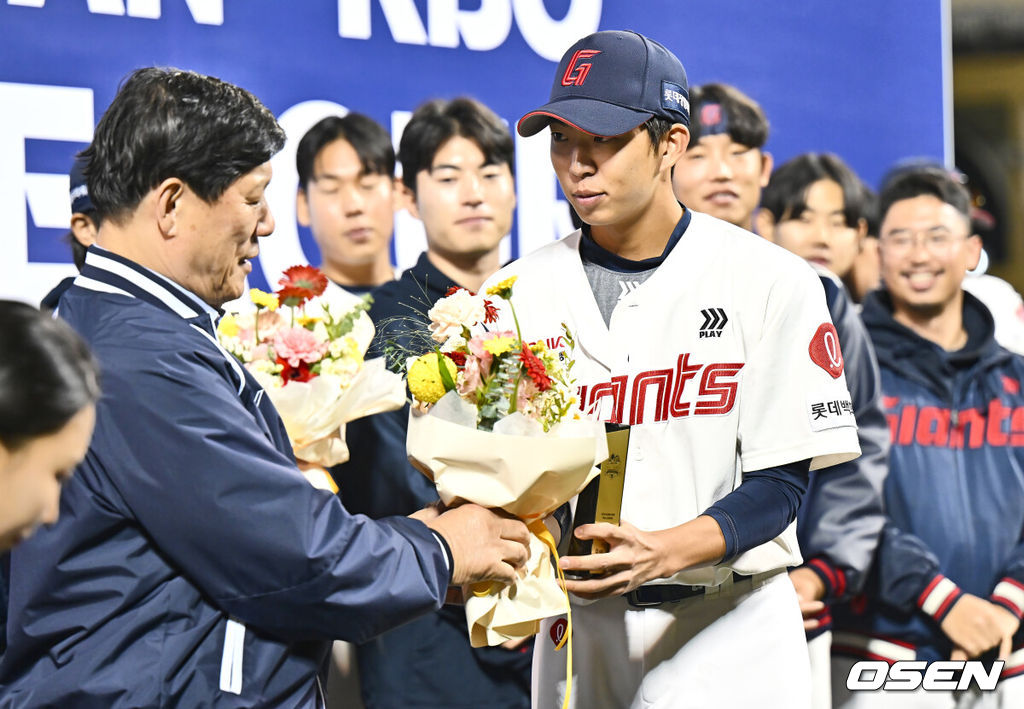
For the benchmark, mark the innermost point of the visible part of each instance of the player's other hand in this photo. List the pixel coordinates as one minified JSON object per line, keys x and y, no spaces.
{"x":810,"y":589}
{"x":976,"y":625}
{"x":487,"y":545}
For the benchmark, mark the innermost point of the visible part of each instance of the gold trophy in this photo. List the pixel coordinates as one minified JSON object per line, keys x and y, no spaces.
{"x":601,"y":500}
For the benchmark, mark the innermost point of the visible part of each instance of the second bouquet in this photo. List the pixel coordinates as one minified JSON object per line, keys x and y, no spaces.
{"x":496,"y":422}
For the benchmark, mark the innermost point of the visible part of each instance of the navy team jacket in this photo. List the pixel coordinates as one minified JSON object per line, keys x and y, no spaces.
{"x":841,"y":518}
{"x":954,"y":496}
{"x":192,"y":564}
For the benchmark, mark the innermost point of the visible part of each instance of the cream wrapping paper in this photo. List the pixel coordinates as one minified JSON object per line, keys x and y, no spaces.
{"x":520,"y":469}
{"x":315,"y":412}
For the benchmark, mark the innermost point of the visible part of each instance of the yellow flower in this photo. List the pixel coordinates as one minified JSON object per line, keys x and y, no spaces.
{"x":425,"y":382}
{"x":498,"y":345}
{"x":305,"y":320}
{"x":263,"y":299}
{"x":228,"y":326}
{"x":504,"y":288}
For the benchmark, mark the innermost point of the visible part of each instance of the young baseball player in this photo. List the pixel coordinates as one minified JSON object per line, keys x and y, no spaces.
{"x":347,"y":197}
{"x":725,"y":165}
{"x":457,"y":175}
{"x":716,"y":348}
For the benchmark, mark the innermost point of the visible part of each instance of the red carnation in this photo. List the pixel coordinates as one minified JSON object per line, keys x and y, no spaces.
{"x":490,"y":312}
{"x":294,"y":374}
{"x":535,"y":368}
{"x":458,"y":357}
{"x":452,"y":290}
{"x":299,"y":284}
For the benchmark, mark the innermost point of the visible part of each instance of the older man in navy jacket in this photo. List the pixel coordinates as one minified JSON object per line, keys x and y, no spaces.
{"x":192,"y":564}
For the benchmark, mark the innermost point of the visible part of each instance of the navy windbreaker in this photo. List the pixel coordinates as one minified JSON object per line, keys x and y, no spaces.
{"x":954,"y":496}
{"x":192,"y":564}
{"x":841,"y":517}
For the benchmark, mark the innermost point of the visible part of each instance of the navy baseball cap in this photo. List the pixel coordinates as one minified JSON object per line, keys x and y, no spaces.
{"x":610,"y":82}
{"x":80,"y":201}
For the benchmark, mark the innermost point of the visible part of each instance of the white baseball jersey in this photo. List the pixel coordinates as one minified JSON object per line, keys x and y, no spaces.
{"x":723,"y":361}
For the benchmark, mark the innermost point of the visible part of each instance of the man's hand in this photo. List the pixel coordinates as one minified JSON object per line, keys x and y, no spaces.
{"x":485,"y":545}
{"x":810,"y":589}
{"x":634,"y":557}
{"x":976,"y":625}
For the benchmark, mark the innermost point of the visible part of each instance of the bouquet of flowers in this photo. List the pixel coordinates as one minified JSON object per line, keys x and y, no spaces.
{"x":306,"y":349}
{"x":496,"y":423}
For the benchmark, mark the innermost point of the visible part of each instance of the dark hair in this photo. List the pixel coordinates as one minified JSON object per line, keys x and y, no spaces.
{"x":367,"y":137}
{"x":746,"y":122}
{"x":786,"y":194}
{"x":871,"y":210}
{"x":47,"y":374}
{"x":437,"y":121}
{"x":919,"y":180}
{"x":169,"y":123}
{"x":657,"y":128}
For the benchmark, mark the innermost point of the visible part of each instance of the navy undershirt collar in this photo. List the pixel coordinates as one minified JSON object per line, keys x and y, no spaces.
{"x":592,"y":252}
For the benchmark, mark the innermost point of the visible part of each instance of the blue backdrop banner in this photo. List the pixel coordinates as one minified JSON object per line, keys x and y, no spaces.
{"x":867,"y":80}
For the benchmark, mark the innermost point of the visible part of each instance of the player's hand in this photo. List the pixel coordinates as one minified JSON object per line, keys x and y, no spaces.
{"x":487,"y":545}
{"x":633,"y":558}
{"x":810,"y":589}
{"x":976,"y":625}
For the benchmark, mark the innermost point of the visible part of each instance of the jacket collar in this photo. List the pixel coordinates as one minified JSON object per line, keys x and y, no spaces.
{"x":107,"y":272}
{"x":901,"y":349}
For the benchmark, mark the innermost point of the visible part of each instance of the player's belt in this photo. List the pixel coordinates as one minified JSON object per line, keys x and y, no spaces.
{"x":657,"y":594}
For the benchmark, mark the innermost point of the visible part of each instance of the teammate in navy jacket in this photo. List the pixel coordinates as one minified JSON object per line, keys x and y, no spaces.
{"x":193,"y":565}
{"x":948,"y":581}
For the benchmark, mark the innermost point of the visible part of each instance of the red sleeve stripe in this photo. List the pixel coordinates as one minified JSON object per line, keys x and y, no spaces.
{"x":938,"y":596}
{"x":1009,"y":594}
{"x":1014,"y":664}
{"x":825,"y":570}
{"x":848,"y":643}
{"x":836,"y":579}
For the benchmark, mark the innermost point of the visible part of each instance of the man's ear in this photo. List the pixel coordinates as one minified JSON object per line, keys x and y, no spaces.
{"x":407,"y":200}
{"x":862,"y":233}
{"x":764,"y":224}
{"x":973,"y":251}
{"x":302,"y":207}
{"x":673,"y":146}
{"x":83,"y":229}
{"x":397,"y":198}
{"x":767,"y":163}
{"x":169,"y":195}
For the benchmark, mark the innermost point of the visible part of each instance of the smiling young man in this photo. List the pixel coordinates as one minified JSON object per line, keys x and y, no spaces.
{"x":725,"y":165}
{"x":457,"y":173}
{"x":347,"y":197}
{"x":715,"y":347}
{"x":193,"y":564}
{"x":948,"y":581}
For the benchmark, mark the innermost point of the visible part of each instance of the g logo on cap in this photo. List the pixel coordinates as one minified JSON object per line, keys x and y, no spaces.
{"x":575,"y":74}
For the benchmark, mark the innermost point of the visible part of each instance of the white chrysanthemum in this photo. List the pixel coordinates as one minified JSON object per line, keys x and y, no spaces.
{"x":449,"y":315}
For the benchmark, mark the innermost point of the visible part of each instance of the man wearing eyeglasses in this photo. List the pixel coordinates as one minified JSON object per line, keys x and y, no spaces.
{"x":948,"y":581}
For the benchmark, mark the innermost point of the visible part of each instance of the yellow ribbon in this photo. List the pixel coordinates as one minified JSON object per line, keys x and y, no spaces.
{"x":484,"y":588}
{"x":538,"y":528}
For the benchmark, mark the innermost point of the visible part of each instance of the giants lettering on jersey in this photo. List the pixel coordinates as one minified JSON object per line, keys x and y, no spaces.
{"x":934,"y":426}
{"x":667,"y":393}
